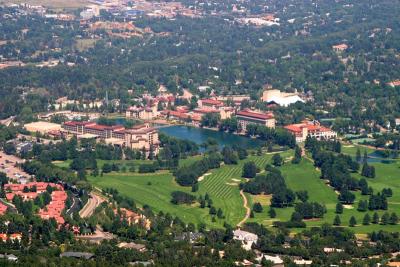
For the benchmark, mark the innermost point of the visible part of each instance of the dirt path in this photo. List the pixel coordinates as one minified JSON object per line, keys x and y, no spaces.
{"x":248,"y":211}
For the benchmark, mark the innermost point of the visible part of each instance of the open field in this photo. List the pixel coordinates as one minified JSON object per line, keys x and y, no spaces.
{"x":155,"y":191}
{"x":222,"y":186}
{"x":305,"y":177}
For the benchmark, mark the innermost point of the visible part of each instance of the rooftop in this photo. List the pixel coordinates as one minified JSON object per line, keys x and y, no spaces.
{"x":256,"y":115}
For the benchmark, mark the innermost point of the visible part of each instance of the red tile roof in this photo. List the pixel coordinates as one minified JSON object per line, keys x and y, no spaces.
{"x":256,"y":115}
{"x":205,"y":110}
{"x":78,"y":123}
{"x":212,"y":102}
{"x":105,"y":127}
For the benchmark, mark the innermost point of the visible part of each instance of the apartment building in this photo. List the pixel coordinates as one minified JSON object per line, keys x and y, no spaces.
{"x":142,"y":113}
{"x":137,"y":137}
{"x":246,"y":117}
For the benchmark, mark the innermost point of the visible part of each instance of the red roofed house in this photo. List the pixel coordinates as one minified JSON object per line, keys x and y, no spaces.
{"x":214,"y":106}
{"x":210,"y":103}
{"x":52,"y":210}
{"x":134,"y":218}
{"x":184,"y":116}
{"x":394,"y":83}
{"x":310,"y":128}
{"x":3,"y":209}
{"x":340,"y":47}
{"x":12,"y":237}
{"x":246,"y":117}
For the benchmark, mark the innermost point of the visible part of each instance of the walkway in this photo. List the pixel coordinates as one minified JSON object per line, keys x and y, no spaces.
{"x":248,"y":211}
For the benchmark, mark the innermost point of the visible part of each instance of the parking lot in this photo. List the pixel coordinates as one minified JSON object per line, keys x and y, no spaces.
{"x":7,"y":165}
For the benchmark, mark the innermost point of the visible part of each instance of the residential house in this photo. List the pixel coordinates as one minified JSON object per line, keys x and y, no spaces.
{"x":340,"y":47}
{"x":246,"y":238}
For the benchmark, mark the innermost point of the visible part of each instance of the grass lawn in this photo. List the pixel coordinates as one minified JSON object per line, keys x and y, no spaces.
{"x":222,"y":186}
{"x":153,"y":190}
{"x":304,"y":176}
{"x":352,"y":149}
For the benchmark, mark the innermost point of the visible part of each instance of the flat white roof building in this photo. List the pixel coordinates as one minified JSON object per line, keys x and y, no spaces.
{"x":280,"y":98}
{"x":42,"y":127}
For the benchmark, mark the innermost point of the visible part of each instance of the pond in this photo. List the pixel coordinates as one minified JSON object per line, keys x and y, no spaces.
{"x":378,"y":157}
{"x":200,"y":135}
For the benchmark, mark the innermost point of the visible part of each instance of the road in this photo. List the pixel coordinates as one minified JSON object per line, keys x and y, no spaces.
{"x":248,"y":211}
{"x":93,"y":202}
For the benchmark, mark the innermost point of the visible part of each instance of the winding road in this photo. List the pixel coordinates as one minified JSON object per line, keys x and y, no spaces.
{"x":248,"y":211}
{"x":93,"y":202}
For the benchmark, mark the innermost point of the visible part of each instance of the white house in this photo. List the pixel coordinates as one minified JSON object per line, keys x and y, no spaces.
{"x":247,"y":238}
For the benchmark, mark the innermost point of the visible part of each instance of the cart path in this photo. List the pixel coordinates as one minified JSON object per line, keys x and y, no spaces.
{"x":248,"y":211}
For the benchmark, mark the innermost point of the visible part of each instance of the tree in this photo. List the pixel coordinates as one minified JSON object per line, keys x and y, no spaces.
{"x":352,"y":221}
{"x":272,"y":212}
{"x":365,"y":158}
{"x":346,"y":196}
{"x":249,"y":170}
{"x":358,"y":155}
{"x":9,"y":149}
{"x":375,"y":218}
{"x":366,"y":219}
{"x":385,"y":218}
{"x":368,"y":171}
{"x":220,"y":213}
{"x":251,"y":214}
{"x":296,"y":217}
{"x":336,"y":220}
{"x":362,"y":205}
{"x":277,"y":160}
{"x":393,"y":218}
{"x":230,"y":156}
{"x":179,"y":197}
{"x":302,"y":195}
{"x":363,"y":184}
{"x":297,"y":155}
{"x":257,"y":207}
{"x":107,"y":168}
{"x":213,"y":211}
{"x":195,"y":187}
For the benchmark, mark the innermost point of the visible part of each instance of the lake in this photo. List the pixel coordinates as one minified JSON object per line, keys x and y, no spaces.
{"x":200,"y":135}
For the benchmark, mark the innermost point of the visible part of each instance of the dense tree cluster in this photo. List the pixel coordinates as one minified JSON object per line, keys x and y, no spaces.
{"x":187,"y":175}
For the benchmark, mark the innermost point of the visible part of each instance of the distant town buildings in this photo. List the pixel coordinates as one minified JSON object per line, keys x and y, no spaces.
{"x":246,"y":117}
{"x":280,"y":98}
{"x":312,"y":129}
